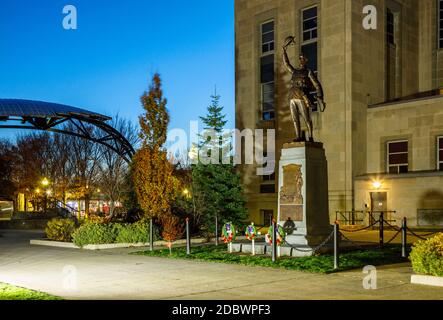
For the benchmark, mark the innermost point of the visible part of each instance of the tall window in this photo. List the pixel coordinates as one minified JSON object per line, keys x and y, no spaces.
{"x":310,"y":36}
{"x":440,"y":153}
{"x":440,"y":24}
{"x":390,"y":27}
{"x":267,"y":77}
{"x":398,"y":156}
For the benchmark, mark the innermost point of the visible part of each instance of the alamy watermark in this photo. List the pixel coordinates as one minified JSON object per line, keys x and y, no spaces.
{"x":370,"y":19}
{"x":70,"y":19}
{"x":370,"y":281}
{"x":248,"y":146}
{"x":70,"y":278}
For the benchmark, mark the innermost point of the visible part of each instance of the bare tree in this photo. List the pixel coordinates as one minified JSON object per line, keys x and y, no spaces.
{"x":113,"y":168}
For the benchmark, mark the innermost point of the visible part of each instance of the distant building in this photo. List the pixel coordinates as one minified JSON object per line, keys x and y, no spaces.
{"x":383,"y":127}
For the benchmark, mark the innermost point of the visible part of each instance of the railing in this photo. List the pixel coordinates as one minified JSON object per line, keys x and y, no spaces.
{"x":354,"y":218}
{"x":350,"y":218}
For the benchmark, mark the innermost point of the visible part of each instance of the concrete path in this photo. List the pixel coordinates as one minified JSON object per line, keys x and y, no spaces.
{"x":116,"y":275}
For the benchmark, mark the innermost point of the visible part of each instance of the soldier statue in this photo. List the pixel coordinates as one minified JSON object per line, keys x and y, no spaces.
{"x":303,"y":82}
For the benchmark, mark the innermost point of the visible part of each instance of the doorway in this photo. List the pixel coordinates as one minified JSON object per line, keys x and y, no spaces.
{"x":379,"y":203}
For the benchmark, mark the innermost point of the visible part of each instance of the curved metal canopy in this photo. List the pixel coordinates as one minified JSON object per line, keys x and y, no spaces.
{"x":39,"y":115}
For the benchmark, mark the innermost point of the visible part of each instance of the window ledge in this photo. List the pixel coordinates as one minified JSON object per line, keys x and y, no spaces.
{"x":413,"y":174}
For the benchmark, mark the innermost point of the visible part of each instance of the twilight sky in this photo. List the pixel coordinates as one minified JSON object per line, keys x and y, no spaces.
{"x":105,"y":64}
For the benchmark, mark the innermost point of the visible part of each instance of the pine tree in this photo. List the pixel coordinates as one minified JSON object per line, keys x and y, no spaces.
{"x":217,"y":186}
{"x":152,"y":173}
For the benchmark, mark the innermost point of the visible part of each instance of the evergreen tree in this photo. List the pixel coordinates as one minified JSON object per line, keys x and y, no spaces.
{"x":216,"y":186}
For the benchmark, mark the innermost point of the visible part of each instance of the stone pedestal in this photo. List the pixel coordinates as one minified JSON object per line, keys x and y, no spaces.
{"x":303,"y":192}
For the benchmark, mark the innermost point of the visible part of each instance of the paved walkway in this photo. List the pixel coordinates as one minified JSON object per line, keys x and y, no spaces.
{"x":115,"y":275}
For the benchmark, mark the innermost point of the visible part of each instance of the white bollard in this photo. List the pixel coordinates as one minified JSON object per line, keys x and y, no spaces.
{"x":278,"y":251}
{"x":253,"y":247}
{"x":230,"y":247}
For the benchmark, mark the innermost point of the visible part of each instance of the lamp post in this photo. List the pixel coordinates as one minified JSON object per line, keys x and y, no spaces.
{"x":45,"y":184}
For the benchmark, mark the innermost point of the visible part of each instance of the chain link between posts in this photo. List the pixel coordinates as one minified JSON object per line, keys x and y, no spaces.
{"x":313,"y":250}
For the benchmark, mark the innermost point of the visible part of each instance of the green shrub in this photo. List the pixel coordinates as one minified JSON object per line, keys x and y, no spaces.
{"x":133,"y":233}
{"x":95,"y":233}
{"x":60,"y":229}
{"x":102,"y":233}
{"x":427,"y":256}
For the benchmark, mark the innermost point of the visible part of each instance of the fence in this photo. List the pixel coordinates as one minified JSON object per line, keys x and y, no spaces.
{"x":337,"y":235}
{"x":353,"y":218}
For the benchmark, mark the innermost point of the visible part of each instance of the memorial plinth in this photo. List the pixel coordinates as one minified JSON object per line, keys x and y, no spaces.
{"x":303,"y":192}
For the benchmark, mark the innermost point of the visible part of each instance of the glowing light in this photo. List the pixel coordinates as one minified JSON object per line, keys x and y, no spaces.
{"x":186,"y":193}
{"x":37,"y":191}
{"x":48,"y":192}
{"x":376,"y":184}
{"x":45,"y":182}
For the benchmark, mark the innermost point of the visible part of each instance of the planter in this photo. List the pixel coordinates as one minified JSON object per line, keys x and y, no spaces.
{"x":427,"y":280}
{"x":70,"y":245}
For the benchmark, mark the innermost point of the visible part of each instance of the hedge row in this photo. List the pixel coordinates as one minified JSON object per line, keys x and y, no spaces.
{"x":97,"y":233}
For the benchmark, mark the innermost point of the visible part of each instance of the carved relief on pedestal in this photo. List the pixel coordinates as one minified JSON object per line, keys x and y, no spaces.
{"x":291,"y":198}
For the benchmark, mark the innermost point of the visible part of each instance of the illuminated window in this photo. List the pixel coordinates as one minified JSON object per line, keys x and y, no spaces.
{"x":440,"y":153}
{"x":398,"y":156}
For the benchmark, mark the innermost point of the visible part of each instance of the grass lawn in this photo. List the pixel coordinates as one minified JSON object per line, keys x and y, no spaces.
{"x":8,"y":292}
{"x":317,"y":264}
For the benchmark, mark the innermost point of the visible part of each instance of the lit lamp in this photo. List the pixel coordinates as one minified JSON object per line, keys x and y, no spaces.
{"x":186,"y":193}
{"x":45,"y":182}
{"x":37,"y":191}
{"x":376,"y":184}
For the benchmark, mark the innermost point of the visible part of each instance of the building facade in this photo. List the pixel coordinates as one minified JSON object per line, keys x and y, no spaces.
{"x":383,"y":126}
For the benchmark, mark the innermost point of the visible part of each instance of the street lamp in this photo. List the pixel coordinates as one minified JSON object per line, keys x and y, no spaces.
{"x":45,"y":182}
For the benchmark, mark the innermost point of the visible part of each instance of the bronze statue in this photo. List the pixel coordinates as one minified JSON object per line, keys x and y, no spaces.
{"x":303,"y":82}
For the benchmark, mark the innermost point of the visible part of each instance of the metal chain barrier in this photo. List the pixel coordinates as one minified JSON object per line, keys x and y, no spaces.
{"x":422,"y":237}
{"x":395,"y":236}
{"x":392,"y":226}
{"x":352,"y":242}
{"x":313,"y":250}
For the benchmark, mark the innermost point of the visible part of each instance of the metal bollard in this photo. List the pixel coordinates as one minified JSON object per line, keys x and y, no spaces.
{"x":151,"y":236}
{"x":216,"y":230}
{"x":188,"y":238}
{"x":336,"y":246}
{"x":404,"y":240}
{"x":274,"y":241}
{"x":381,"y":231}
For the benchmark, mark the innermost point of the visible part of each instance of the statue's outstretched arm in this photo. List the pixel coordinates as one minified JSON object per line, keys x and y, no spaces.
{"x":286,"y":61}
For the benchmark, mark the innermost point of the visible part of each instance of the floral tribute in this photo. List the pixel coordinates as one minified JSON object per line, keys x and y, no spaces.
{"x":251,"y":232}
{"x":228,"y":233}
{"x":281,"y":235}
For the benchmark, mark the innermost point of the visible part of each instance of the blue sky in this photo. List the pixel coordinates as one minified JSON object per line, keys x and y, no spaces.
{"x":106,"y":64}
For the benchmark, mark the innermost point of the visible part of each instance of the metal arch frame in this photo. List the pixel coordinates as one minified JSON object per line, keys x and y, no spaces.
{"x":112,"y":138}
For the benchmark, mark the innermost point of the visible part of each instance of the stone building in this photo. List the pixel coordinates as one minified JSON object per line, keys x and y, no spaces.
{"x":383,"y":126}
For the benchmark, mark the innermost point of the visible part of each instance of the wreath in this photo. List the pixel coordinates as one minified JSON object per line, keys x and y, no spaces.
{"x":228,"y":233}
{"x":281,"y":235}
{"x":251,"y":232}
